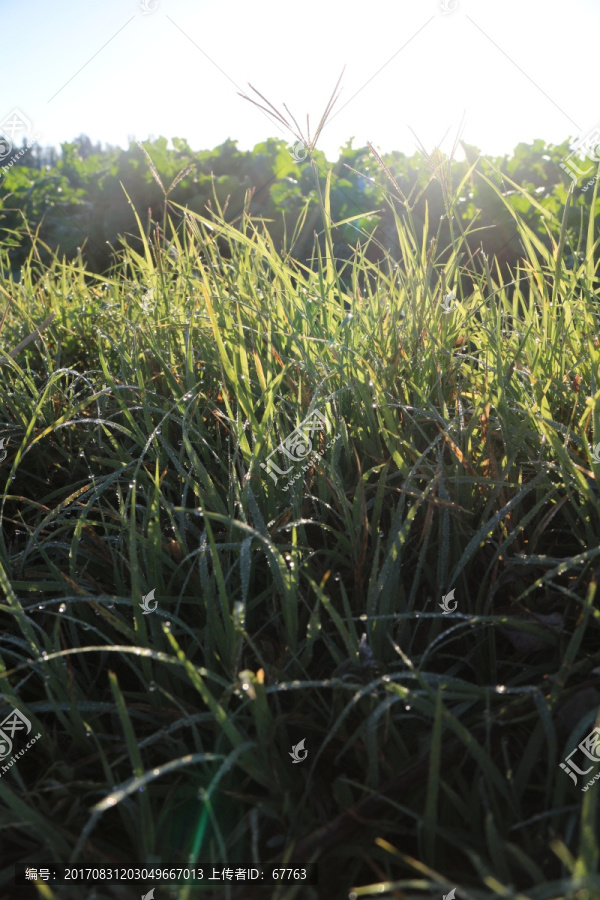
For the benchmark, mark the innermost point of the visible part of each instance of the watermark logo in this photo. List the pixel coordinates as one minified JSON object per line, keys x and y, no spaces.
{"x":448,"y":299}
{"x":445,"y":604}
{"x":149,"y":895}
{"x":295,"y":754}
{"x":299,"y":151}
{"x":14,"y":127}
{"x":589,"y":146}
{"x":147,"y":304}
{"x":145,"y":604}
{"x":590,"y":747}
{"x":366,"y":654}
{"x":148,"y":6}
{"x":311,"y":462}
{"x":595,"y":453}
{"x":5,"y":146}
{"x":298,"y":445}
{"x":3,"y":452}
{"x":448,"y":6}
{"x":450,"y":896}
{"x":16,"y":721}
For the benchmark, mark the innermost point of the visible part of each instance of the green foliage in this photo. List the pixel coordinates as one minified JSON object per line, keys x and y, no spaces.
{"x":461,"y":459}
{"x":81,"y":202}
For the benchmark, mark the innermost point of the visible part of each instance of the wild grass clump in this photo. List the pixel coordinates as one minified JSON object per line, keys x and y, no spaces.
{"x":462,"y":460}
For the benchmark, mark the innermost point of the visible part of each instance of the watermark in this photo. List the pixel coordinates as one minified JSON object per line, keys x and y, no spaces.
{"x":3,"y":452}
{"x":589,"y":184}
{"x":149,"y":895}
{"x":297,"y":446}
{"x":145,"y":604}
{"x":295,"y":754}
{"x":448,"y":6}
{"x":595,"y":453}
{"x":445,"y":604}
{"x":147,"y":305}
{"x":311,"y":462}
{"x":34,"y":874}
{"x":299,"y":151}
{"x":590,"y":747}
{"x":588,"y":146}
{"x":15,"y":126}
{"x":148,"y":6}
{"x":366,"y":654}
{"x":16,"y":721}
{"x":450,"y":896}
{"x":448,"y":299}
{"x":590,"y":783}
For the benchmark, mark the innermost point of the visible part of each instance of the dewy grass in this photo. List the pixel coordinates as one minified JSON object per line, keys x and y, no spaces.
{"x":462,"y":462}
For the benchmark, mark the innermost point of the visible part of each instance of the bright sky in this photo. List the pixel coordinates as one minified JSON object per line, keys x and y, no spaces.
{"x":515,"y":69}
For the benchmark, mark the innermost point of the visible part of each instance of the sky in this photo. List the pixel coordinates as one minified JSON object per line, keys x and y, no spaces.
{"x":492,"y":73}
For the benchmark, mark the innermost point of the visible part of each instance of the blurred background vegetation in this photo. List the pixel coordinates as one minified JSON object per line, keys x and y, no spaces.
{"x":77,"y":202}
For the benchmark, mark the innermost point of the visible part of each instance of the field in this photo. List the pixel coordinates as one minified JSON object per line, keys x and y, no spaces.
{"x":455,"y":454}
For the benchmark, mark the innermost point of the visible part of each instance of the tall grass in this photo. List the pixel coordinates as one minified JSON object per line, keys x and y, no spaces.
{"x":137,"y":424}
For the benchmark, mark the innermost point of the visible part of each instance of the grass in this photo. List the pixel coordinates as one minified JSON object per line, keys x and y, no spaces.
{"x":462,"y":460}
